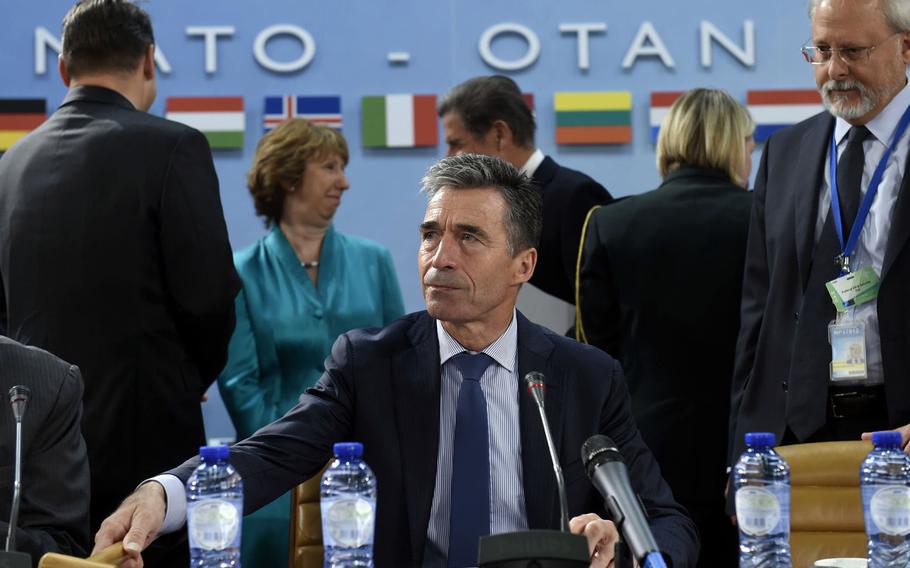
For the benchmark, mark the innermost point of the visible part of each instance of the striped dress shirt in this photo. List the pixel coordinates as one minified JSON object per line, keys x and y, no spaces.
{"x":500,"y":388}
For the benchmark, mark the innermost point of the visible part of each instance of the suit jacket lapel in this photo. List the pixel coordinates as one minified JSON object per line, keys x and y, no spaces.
{"x":900,"y":223}
{"x":807,"y":181}
{"x":539,"y":484}
{"x":417,"y":387}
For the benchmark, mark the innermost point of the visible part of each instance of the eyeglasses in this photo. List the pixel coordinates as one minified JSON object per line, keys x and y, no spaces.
{"x":821,"y":54}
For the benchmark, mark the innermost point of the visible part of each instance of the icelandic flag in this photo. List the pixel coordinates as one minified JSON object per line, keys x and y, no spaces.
{"x":324,"y":110}
{"x":775,"y":109}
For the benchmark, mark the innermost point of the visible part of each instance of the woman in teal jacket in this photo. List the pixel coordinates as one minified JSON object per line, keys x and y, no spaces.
{"x":304,"y":284}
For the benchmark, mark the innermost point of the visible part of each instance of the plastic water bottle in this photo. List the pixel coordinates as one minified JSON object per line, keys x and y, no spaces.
{"x":885,"y":481}
{"x":761,"y":479}
{"x":214,"y":494}
{"x":348,"y":502}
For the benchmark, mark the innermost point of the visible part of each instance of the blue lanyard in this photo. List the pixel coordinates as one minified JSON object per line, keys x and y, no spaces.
{"x":849,"y":247}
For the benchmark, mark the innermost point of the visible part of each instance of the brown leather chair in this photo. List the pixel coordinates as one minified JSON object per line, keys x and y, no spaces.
{"x":110,"y":556}
{"x":306,"y":525}
{"x":826,"y":512}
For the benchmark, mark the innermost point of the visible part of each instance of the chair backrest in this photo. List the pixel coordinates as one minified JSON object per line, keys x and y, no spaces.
{"x":306,"y":525}
{"x":826,"y":512}
{"x":110,"y":556}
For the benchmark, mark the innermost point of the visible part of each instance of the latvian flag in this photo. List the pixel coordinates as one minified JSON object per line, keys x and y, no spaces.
{"x":18,"y":117}
{"x":660,"y":106}
{"x":221,"y":119}
{"x":773,"y":110}
{"x":399,"y":121}
{"x":593,"y":117}
{"x":325,"y":110}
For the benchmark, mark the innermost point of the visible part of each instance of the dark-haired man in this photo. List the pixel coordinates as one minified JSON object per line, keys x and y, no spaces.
{"x":489,"y":115}
{"x":437,"y":399}
{"x":114,"y":252}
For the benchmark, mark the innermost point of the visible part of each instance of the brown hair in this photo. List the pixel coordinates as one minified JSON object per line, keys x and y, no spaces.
{"x":281,"y":159}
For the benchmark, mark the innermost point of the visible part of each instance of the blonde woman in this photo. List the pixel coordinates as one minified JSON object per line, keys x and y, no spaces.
{"x":659,"y":289}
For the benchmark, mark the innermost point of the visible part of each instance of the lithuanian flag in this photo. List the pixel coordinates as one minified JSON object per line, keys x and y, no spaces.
{"x":18,"y":117}
{"x":593,"y":117}
{"x":221,"y":119}
{"x":399,"y":121}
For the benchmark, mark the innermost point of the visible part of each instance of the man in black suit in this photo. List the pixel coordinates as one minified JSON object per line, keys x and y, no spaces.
{"x":114,"y":252}
{"x":53,"y":513}
{"x":859,"y":52}
{"x":399,"y":390}
{"x":489,"y":115}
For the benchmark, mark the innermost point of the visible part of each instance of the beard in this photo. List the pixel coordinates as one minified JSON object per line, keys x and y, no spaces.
{"x":840,"y":106}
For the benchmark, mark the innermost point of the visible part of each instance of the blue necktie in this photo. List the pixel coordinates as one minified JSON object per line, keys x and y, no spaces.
{"x":470,"y":517}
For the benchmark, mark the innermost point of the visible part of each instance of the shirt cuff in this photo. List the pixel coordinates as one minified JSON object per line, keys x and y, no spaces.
{"x":175,"y":492}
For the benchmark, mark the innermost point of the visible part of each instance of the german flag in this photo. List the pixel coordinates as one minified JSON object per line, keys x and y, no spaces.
{"x":18,"y":117}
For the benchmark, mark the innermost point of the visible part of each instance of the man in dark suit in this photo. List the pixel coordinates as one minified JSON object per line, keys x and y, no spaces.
{"x":53,"y":512}
{"x":402,"y":391}
{"x":859,"y":52}
{"x":489,"y":115}
{"x":114,"y":252}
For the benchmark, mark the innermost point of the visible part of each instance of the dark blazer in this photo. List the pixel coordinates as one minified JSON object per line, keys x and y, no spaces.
{"x":114,"y":255}
{"x":53,"y":511}
{"x":781,"y":375}
{"x":568,"y":195}
{"x":660,"y":289}
{"x":381,"y":387}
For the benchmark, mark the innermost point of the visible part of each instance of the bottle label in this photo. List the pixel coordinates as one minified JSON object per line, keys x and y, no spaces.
{"x":887,"y":509}
{"x":347,"y":521}
{"x":763,"y":510}
{"x":214,"y":524}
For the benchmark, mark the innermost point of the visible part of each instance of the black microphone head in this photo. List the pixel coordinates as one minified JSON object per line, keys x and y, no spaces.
{"x":18,"y":399}
{"x":536,"y":385}
{"x":597,"y":450}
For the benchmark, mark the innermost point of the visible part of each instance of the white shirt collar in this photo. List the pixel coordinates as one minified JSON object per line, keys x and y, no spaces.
{"x":884,"y":124}
{"x":531,"y":166}
{"x":502,"y":350}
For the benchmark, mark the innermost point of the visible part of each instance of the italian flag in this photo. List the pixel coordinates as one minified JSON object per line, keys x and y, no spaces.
{"x":221,"y":119}
{"x":399,"y":121}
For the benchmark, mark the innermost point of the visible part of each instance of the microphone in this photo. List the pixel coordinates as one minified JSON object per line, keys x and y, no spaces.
{"x":537,"y":386}
{"x":18,"y":400}
{"x":607,"y":471}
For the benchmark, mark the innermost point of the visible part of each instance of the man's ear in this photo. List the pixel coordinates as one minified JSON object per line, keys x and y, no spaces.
{"x":64,"y":74}
{"x":503,"y":134}
{"x":525,"y":261}
{"x":148,"y":63}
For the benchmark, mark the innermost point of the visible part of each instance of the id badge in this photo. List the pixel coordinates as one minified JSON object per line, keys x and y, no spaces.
{"x":848,"y":351}
{"x":854,"y":288}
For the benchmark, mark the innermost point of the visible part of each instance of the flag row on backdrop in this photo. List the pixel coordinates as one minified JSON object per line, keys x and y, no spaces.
{"x":410,"y":121}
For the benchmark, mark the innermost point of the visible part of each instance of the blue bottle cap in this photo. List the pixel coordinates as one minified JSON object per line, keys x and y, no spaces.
{"x":760,"y":439}
{"x":214,"y":453}
{"x":887,"y":439}
{"x":348,"y":449}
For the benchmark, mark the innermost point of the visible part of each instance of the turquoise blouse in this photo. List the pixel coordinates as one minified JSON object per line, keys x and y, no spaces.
{"x":286,"y":326}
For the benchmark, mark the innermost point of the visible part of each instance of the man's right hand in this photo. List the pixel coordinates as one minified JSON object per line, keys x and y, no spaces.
{"x":136,"y":522}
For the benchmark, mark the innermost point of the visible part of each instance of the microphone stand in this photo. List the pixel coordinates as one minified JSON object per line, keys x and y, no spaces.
{"x":18,"y":398}
{"x":557,"y":469}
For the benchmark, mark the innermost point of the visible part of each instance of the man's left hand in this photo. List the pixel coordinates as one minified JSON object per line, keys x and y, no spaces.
{"x":905,"y":437}
{"x":602,"y":538}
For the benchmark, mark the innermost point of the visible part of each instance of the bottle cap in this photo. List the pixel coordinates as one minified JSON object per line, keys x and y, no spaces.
{"x":760,"y":439}
{"x":887,"y":439}
{"x":348,"y":449}
{"x":214,"y":453}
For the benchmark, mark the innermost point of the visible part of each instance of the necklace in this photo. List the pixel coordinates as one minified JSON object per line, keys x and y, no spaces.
{"x":310,"y":264}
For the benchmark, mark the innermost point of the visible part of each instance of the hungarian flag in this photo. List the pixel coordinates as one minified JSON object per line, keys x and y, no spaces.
{"x":660,"y":106}
{"x":593,"y":117}
{"x":221,"y":119}
{"x":399,"y":121}
{"x":775,"y":109}
{"x":18,"y":117}
{"x":325,"y":110}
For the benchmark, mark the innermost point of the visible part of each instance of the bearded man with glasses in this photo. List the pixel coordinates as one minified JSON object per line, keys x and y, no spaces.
{"x":828,"y":259}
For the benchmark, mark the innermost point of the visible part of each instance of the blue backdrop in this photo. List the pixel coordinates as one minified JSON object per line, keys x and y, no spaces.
{"x":352,"y":39}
